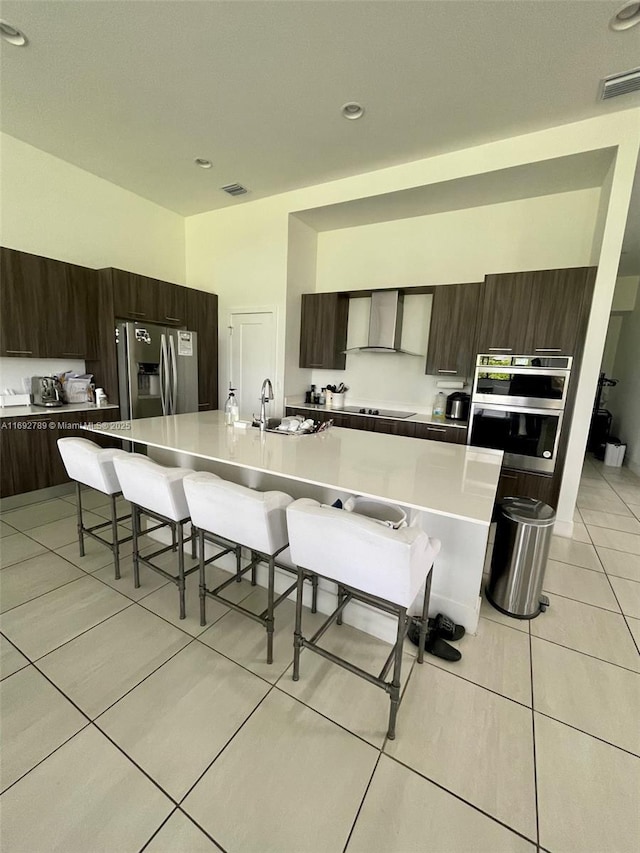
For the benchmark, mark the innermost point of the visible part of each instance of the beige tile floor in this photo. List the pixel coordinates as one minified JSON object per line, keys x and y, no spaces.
{"x":125,"y":729}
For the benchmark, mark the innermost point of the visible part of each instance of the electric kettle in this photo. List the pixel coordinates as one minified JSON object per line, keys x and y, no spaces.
{"x":458,"y":406}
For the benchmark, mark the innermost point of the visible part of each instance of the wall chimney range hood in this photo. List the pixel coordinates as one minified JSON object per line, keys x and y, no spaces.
{"x":385,"y":323}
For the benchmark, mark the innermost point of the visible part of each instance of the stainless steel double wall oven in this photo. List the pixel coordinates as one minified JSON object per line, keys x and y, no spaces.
{"x":517,"y":405}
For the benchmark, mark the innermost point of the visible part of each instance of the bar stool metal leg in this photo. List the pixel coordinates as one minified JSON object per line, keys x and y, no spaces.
{"x":238,"y":564}
{"x":135,"y":524}
{"x":79,"y":511}
{"x":394,"y":689}
{"x":425,"y":617}
{"x":270,"y":620}
{"x":340,"y":599}
{"x":115,"y":547}
{"x":314,"y":593}
{"x":254,"y":558}
{"x":203,"y":581}
{"x":194,"y":543}
{"x":297,"y":635}
{"x":181,"y":582}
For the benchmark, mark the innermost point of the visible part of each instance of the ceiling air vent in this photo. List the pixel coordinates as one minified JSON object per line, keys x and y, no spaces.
{"x":620,"y":84}
{"x":235,"y":189}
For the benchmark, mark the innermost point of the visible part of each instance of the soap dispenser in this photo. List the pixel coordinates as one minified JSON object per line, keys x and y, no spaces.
{"x":231,"y":412}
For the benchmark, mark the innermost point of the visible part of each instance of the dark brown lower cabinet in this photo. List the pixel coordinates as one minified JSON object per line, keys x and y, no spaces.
{"x":524,"y":484}
{"x":442,"y":432}
{"x":30,"y":456}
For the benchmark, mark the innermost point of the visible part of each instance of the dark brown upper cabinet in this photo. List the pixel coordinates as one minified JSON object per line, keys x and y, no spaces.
{"x":535,"y":312}
{"x":171,"y":303}
{"x":559,"y":309}
{"x":323,"y":330}
{"x":504,"y":315}
{"x":45,"y":305}
{"x":135,"y":296}
{"x":454,"y":314}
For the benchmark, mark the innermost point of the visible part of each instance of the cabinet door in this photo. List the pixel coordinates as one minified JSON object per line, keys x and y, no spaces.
{"x":201,"y":311}
{"x":134,"y":296}
{"x":323,"y":330}
{"x":394,"y":427}
{"x":556,"y":309}
{"x":452,"y":334}
{"x":22,"y":314}
{"x":72,"y":321}
{"x":523,"y":484}
{"x":504,"y":314}
{"x":441,"y":432}
{"x":171,"y":307}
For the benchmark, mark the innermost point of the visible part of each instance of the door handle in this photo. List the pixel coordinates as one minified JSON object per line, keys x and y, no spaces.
{"x":441,"y":370}
{"x":174,"y":376}
{"x":137,"y":313}
{"x":173,"y":319}
{"x":163,"y":374}
{"x":548,"y":349}
{"x":500,"y":349}
{"x":19,"y":351}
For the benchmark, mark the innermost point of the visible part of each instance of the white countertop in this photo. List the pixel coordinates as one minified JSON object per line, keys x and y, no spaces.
{"x":449,"y":479}
{"x":30,"y":411}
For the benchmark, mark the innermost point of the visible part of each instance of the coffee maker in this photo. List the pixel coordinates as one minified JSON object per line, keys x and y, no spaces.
{"x":46,"y":391}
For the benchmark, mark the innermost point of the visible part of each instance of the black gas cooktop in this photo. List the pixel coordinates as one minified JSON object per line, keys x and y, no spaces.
{"x":383,"y":413}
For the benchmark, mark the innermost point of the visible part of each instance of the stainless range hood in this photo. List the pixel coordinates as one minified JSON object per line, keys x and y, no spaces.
{"x":385,"y":323}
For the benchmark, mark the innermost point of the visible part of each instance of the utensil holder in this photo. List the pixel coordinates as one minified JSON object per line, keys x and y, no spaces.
{"x":337,"y":401}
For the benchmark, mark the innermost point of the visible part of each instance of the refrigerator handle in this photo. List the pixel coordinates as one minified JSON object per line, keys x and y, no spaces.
{"x":164,"y":374}
{"x":174,"y":374}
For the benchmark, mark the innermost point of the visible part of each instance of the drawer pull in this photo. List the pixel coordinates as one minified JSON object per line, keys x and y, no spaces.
{"x":440,"y":370}
{"x":548,"y":349}
{"x":138,"y":313}
{"x":436,"y":429}
{"x":500,"y":349}
{"x":20,"y":351}
{"x":173,"y":319}
{"x":316,"y":365}
{"x":74,"y":354}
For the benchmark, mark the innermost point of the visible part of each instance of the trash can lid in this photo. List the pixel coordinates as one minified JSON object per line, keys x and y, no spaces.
{"x":528,"y":510}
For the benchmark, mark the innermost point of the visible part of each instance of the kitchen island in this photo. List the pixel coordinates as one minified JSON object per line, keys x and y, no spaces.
{"x":448,"y":490}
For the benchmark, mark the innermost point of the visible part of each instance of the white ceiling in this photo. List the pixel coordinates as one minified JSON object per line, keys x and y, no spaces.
{"x":134,"y":91}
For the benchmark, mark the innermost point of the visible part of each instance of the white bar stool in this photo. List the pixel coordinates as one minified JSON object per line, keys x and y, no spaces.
{"x":370,"y":562}
{"x":157,"y":492}
{"x":88,"y":463}
{"x":252,"y":519}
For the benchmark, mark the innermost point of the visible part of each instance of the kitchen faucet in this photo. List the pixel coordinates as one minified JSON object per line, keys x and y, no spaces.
{"x":266,"y":394}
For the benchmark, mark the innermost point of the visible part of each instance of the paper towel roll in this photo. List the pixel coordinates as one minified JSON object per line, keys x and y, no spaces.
{"x":453,"y":384}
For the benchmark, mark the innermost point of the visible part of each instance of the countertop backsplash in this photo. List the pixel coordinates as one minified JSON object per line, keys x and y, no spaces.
{"x":13,"y":370}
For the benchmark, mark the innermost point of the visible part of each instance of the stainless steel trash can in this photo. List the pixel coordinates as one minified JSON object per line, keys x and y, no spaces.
{"x":520,"y":552}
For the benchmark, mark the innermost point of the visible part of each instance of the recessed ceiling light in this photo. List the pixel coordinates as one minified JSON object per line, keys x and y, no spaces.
{"x":352,"y":110}
{"x":627,"y":17}
{"x":204,"y":164}
{"x":12,"y":35}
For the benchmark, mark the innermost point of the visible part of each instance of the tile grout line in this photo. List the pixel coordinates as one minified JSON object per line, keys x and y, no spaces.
{"x":364,"y":797}
{"x":460,"y":798}
{"x":533,"y":741}
{"x":586,"y":603}
{"x":586,"y":654}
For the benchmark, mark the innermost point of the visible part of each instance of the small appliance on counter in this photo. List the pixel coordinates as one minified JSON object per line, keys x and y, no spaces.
{"x":46,"y":391}
{"x":458,"y":406}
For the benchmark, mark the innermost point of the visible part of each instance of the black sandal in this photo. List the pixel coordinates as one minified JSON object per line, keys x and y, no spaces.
{"x":446,"y":628}
{"x":433,"y":644}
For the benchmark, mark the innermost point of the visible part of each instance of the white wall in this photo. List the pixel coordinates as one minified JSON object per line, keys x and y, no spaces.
{"x":462,"y":245}
{"x":301,"y":278}
{"x":49,"y":207}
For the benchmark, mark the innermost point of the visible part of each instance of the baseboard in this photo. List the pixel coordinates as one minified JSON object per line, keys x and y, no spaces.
{"x":28,"y":498}
{"x":563,"y":528}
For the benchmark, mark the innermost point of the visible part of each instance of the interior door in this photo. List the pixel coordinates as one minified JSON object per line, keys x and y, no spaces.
{"x":252,"y":357}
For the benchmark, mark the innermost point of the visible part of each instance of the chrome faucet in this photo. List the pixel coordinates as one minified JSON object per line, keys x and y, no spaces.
{"x":266,"y":394}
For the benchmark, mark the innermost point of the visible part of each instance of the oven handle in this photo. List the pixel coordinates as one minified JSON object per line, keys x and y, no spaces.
{"x":516,"y":410}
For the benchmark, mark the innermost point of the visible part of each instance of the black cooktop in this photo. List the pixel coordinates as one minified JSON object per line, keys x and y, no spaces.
{"x":383,"y":413}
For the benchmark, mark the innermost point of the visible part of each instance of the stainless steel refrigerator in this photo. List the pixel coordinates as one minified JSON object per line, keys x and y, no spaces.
{"x":157,"y":370}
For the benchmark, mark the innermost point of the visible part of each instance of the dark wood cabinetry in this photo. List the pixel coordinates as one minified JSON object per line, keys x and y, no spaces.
{"x":201,"y":311}
{"x":34,"y":439}
{"x":542,"y":487}
{"x":504,"y":314}
{"x":47,"y":307}
{"x":442,"y":432}
{"x":323,"y":330}
{"x":452,"y":345}
{"x":535,"y":312}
